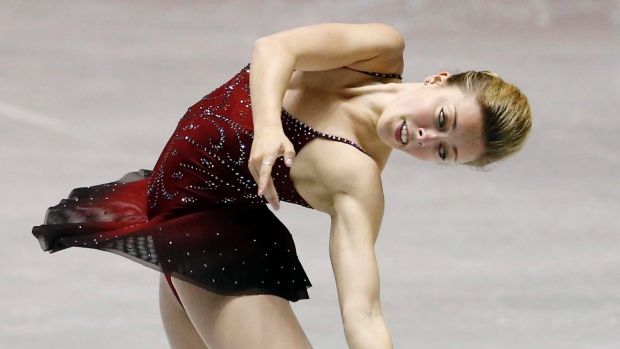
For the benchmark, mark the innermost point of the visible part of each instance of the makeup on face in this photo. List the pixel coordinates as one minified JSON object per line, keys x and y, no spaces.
{"x":402,"y":133}
{"x":407,"y":120}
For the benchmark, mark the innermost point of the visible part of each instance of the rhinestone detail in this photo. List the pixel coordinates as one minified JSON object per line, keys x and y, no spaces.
{"x":207,"y":155}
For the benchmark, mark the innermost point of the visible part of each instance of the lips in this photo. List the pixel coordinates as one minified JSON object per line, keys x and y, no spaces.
{"x":398,"y":133}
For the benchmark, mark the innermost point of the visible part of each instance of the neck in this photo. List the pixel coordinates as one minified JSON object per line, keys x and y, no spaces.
{"x":375,"y":98}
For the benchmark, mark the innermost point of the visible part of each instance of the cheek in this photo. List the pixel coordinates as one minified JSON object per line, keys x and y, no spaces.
{"x":382,"y":125}
{"x":386,"y":125}
{"x":422,"y":114}
{"x":424,"y":154}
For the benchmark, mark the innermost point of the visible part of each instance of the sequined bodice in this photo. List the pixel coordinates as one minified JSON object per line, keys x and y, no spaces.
{"x":205,"y":162}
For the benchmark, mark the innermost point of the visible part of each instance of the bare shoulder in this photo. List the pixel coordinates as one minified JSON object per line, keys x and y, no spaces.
{"x":328,"y":171}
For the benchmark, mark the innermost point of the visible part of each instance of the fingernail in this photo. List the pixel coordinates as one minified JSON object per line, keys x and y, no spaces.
{"x":289,"y":161}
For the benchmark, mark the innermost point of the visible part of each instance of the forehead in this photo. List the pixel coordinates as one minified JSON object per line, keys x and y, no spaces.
{"x":468,"y":135}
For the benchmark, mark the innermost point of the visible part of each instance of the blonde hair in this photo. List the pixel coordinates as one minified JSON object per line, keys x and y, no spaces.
{"x":506,"y":114}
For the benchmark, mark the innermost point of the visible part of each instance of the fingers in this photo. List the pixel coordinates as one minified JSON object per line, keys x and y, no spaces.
{"x":261,"y":166}
{"x":271,"y":195}
{"x":265,"y":184}
{"x":264,"y":175}
{"x":289,"y":154}
{"x":266,"y":188}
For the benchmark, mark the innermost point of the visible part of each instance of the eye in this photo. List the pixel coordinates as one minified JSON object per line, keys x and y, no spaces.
{"x":442,"y":152}
{"x":441,"y":119}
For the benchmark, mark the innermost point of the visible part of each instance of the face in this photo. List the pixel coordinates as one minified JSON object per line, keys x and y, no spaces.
{"x":441,"y":123}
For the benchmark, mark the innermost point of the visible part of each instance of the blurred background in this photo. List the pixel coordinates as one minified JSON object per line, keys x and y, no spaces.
{"x":525,"y":255}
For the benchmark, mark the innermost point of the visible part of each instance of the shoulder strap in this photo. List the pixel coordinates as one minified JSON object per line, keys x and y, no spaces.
{"x":316,"y":132}
{"x":375,"y":74}
{"x":379,"y":75}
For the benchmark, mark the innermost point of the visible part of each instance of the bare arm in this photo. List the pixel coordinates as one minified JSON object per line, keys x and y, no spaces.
{"x":356,"y":213}
{"x":311,"y":48}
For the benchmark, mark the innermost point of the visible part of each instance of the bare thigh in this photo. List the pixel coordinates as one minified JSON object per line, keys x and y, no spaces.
{"x":235,"y":322}
{"x":179,"y":329}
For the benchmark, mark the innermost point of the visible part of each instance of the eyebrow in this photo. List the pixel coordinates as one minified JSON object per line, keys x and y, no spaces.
{"x":456,"y":153}
{"x":454,"y":123}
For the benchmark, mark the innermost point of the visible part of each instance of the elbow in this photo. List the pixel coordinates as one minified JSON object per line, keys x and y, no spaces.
{"x":270,"y":49}
{"x":261,"y":42}
{"x":356,"y":319}
{"x":264,"y":46}
{"x":269,"y":43}
{"x":394,"y":37}
{"x":367,"y":330}
{"x":261,"y":46}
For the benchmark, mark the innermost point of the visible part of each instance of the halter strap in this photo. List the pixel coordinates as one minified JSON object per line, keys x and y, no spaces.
{"x":379,"y":75}
{"x":322,"y":134}
{"x":375,"y":74}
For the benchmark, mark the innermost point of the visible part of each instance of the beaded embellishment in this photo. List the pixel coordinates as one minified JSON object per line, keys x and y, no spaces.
{"x":379,"y":75}
{"x":322,"y":134}
{"x":205,"y":163}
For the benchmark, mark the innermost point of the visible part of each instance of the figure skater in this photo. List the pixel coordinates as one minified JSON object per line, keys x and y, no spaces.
{"x":312,"y":121}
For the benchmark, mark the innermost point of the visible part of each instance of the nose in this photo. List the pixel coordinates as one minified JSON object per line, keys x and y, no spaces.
{"x":426,"y":136}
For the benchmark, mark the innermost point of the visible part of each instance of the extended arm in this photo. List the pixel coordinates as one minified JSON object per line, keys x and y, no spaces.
{"x":356,"y":215}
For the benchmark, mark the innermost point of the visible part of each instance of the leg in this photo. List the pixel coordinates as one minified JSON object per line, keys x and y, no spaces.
{"x":179,"y":329}
{"x":231,"y":322}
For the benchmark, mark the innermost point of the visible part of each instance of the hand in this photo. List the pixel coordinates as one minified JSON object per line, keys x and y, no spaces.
{"x":267,"y":146}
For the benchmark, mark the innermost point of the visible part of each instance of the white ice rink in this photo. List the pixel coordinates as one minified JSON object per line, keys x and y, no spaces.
{"x":524,"y":256}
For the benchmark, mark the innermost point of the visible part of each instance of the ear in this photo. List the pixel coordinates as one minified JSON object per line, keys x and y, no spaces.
{"x":437,"y":79}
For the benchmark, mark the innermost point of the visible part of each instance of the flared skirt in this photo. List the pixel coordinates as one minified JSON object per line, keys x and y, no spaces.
{"x":230,"y":250}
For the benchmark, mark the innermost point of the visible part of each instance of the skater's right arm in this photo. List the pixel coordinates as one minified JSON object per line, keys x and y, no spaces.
{"x":310,"y":48}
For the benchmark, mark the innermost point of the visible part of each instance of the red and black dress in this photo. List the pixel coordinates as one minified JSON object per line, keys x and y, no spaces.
{"x":196,"y":215}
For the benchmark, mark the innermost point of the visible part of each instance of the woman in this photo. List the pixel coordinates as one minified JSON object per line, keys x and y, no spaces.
{"x":327,"y":108}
